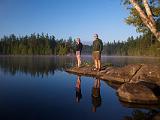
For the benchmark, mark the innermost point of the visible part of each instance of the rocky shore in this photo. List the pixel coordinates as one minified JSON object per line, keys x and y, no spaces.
{"x":139,"y":83}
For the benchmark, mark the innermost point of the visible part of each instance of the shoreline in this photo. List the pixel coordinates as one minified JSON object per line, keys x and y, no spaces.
{"x":103,"y":56}
{"x":138,"y":81}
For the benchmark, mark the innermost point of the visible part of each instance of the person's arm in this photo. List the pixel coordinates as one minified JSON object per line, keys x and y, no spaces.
{"x":81,"y":47}
{"x":93,"y":46}
{"x":101,"y":44}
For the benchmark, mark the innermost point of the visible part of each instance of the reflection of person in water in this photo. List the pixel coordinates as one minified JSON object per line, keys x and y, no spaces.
{"x":78,"y":89}
{"x":96,"y":96}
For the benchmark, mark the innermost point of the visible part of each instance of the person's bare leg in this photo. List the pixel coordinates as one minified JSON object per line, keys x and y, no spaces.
{"x":77,"y":61}
{"x":99,"y":64}
{"x":96,"y":64}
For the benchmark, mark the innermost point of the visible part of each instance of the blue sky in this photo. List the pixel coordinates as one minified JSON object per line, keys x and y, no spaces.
{"x":65,"y":18}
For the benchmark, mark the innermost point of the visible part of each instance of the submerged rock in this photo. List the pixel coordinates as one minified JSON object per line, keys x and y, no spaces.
{"x":136,"y":93}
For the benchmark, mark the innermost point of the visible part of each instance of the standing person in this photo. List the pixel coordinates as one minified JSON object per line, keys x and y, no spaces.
{"x":97,"y":49}
{"x":78,"y":51}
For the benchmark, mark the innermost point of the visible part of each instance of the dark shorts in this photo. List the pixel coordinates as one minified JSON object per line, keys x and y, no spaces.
{"x":96,"y":55}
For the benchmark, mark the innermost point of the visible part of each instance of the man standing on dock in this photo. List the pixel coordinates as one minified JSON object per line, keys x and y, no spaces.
{"x":96,"y":54}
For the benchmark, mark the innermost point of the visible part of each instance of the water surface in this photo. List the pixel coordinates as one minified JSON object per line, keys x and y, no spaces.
{"x":38,"y":88}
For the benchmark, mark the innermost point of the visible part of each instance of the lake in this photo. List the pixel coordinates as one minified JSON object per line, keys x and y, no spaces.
{"x":38,"y":88}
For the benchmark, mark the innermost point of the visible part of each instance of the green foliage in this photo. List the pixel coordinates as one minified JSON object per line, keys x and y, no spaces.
{"x":87,"y":49}
{"x":35,"y":45}
{"x":134,"y":18}
{"x":62,"y":50}
{"x":145,"y":45}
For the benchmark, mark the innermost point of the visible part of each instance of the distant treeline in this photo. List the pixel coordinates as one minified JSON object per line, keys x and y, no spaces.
{"x":143,"y":45}
{"x":35,"y":44}
{"x":40,"y":44}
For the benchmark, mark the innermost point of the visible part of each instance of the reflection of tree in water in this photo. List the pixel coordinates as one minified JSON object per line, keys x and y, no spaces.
{"x":34,"y":65}
{"x":143,"y":115}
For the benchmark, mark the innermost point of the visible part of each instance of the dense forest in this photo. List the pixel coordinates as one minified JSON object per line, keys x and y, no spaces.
{"x":143,"y":45}
{"x":35,"y":44}
{"x":40,"y":44}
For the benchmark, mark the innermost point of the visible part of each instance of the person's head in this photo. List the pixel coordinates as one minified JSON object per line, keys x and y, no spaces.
{"x":95,"y":36}
{"x":78,"y":40}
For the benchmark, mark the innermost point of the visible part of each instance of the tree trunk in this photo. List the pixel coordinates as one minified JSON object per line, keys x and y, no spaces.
{"x":147,"y":19}
{"x":148,"y":11}
{"x":158,"y":36}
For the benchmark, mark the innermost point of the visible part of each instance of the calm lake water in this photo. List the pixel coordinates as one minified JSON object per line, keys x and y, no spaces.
{"x":38,"y":88}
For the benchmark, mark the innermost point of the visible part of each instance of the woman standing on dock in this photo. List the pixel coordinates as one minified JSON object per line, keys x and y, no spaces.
{"x":78,"y":51}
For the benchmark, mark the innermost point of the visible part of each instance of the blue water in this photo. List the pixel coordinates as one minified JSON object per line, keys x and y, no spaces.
{"x":34,"y":88}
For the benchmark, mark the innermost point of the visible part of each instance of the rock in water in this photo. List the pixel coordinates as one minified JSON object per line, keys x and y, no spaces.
{"x":121,"y":75}
{"x":136,"y":93}
{"x":133,"y":73}
{"x":148,"y":73}
{"x":85,"y":70}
